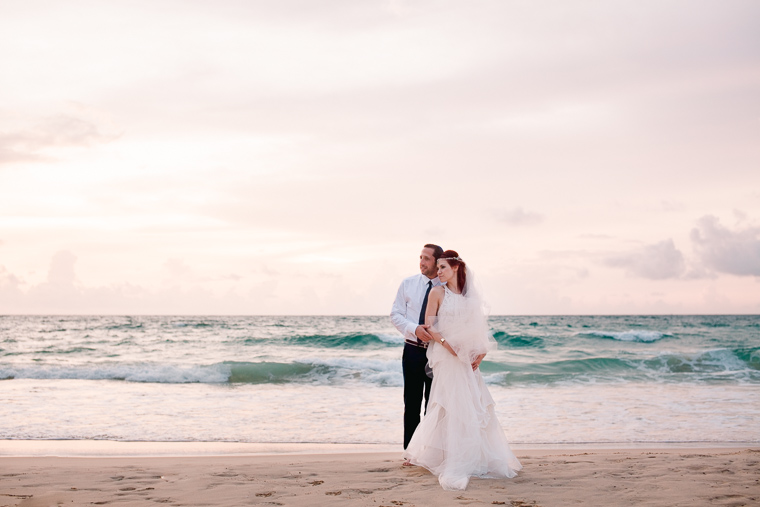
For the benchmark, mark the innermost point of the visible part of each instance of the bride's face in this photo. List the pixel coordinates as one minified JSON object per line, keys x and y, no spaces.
{"x":445,"y":271}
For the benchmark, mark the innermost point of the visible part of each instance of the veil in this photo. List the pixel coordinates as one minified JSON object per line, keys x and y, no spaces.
{"x":464,"y":323}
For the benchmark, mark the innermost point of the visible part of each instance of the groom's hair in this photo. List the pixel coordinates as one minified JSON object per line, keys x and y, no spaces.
{"x":437,"y":251}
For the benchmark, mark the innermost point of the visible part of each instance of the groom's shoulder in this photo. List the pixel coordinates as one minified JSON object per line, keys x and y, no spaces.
{"x":411,"y":280}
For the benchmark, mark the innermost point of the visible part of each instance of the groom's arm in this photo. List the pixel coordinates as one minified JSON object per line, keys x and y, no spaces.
{"x":398,"y":315}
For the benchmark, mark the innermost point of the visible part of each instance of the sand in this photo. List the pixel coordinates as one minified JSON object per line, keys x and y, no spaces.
{"x":646,"y":477}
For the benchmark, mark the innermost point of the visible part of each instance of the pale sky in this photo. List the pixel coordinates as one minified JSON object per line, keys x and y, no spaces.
{"x":293,"y":156}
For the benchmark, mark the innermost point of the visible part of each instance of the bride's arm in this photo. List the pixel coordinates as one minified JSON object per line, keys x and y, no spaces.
{"x":477,"y":361}
{"x":434,"y":302}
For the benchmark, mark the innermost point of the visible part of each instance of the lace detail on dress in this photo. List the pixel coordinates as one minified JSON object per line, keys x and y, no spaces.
{"x":453,"y":305}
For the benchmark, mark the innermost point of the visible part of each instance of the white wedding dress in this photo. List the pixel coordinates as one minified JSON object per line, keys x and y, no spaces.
{"x":460,"y":436}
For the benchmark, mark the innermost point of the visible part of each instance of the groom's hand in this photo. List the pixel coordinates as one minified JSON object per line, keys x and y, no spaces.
{"x":422,"y":333}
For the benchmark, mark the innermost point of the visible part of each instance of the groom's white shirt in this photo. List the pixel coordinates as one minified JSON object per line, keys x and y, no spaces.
{"x":405,"y":313}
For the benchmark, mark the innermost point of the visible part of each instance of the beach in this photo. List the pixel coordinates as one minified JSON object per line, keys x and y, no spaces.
{"x":177,"y":410}
{"x":551,"y":477}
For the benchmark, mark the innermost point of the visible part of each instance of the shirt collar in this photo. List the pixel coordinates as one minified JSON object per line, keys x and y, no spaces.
{"x":425,"y":280}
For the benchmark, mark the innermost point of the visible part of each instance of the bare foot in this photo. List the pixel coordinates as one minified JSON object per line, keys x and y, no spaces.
{"x":408,"y":463}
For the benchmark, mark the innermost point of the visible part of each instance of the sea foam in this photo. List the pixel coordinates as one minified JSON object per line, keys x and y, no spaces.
{"x":628,"y":336}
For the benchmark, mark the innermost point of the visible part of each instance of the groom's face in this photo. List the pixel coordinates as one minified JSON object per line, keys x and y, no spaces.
{"x":427,"y":263}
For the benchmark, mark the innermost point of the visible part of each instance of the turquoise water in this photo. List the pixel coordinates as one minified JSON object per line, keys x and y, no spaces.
{"x":348,"y":350}
{"x":259,"y":379}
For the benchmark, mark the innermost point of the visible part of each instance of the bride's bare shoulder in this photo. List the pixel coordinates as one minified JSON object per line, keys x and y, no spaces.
{"x":437,"y":291}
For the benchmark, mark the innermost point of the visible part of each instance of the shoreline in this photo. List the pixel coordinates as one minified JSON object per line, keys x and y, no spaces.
{"x":593,"y":477}
{"x":152,"y":449}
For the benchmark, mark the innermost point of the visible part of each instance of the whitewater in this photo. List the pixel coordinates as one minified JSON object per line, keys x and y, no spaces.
{"x":327,"y":379}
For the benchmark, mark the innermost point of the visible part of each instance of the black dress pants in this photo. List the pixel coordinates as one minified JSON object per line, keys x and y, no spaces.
{"x":416,"y":382}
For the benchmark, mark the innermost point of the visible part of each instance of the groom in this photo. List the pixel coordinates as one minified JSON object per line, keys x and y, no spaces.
{"x":408,"y":315}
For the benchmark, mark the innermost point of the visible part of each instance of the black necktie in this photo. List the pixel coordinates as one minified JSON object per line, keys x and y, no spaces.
{"x":424,"y":302}
{"x":424,"y":307}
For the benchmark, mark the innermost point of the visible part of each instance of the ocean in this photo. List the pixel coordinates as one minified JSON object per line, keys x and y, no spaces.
{"x":325,"y":379}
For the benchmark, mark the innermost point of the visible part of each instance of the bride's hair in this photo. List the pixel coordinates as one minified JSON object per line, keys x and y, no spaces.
{"x":453,"y":259}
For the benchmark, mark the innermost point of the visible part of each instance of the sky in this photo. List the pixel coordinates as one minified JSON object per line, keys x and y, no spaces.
{"x":292,"y":157}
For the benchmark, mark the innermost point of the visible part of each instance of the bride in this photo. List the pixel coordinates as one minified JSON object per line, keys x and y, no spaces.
{"x":460,"y":436}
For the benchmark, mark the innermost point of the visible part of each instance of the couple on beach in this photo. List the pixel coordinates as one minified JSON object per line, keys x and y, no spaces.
{"x":443,"y":318}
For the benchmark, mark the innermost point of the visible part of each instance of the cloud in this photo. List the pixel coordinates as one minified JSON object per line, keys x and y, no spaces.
{"x":518,"y":217}
{"x":8,"y":281}
{"x":63,"y":292}
{"x":726,"y":251}
{"x":177,"y":268}
{"x":667,"y":205}
{"x":658,"y":261}
{"x":10,"y":291}
{"x":178,"y":272}
{"x":596,"y":236}
{"x":57,"y":131}
{"x":62,"y":268}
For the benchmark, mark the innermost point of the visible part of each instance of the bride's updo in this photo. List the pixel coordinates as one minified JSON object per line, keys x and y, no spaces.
{"x":452,"y":257}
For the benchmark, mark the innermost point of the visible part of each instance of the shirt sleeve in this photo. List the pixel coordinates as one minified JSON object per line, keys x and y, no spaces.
{"x":398,"y":314}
